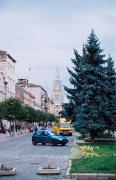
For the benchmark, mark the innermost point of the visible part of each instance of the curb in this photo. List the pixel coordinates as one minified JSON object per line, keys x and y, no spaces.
{"x":87,"y":176}
{"x":92,"y":176}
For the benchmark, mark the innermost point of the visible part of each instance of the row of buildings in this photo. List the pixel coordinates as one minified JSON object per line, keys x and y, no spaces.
{"x":30,"y":94}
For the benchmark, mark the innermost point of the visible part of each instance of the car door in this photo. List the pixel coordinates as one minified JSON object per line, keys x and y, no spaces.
{"x":46,"y":137}
{"x":38,"y":137}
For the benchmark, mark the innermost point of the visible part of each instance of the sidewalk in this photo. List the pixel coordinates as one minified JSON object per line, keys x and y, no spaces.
{"x":7,"y":137}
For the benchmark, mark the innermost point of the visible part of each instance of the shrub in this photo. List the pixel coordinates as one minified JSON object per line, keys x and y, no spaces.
{"x":107,"y":135}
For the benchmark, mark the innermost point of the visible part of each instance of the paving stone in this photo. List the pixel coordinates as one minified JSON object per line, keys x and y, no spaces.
{"x":20,"y":153}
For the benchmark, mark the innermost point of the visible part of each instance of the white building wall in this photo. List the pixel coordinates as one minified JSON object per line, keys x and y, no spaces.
{"x":10,"y":74}
{"x":38,"y":93}
{"x":2,"y":90}
{"x":7,"y":66}
{"x":35,"y":91}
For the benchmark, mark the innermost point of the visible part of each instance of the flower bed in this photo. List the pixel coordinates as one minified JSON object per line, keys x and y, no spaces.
{"x":94,"y":158}
{"x":91,"y":151}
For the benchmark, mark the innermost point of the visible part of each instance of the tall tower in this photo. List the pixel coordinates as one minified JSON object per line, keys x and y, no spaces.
{"x":57,"y":93}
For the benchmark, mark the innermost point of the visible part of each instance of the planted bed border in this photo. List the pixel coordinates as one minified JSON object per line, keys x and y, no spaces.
{"x":46,"y":171}
{"x":86,"y":176}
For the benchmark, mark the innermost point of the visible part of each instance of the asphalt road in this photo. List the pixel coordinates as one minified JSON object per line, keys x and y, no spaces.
{"x":20,"y":153}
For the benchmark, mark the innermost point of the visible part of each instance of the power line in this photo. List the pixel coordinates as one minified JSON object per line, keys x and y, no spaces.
{"x":47,"y":67}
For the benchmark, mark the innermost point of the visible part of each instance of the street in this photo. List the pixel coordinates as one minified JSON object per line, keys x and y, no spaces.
{"x":20,"y":153}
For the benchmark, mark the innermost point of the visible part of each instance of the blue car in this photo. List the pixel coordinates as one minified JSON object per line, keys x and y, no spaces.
{"x":46,"y":136}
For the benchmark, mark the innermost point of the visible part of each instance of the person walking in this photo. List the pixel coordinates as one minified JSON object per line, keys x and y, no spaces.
{"x":35,"y":129}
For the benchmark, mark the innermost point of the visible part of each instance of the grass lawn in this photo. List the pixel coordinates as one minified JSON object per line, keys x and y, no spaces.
{"x":96,"y":158}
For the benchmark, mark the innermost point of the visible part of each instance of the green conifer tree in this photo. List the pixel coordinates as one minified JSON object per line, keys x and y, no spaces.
{"x":110,"y":115}
{"x":75,"y":80}
{"x":89,"y":91}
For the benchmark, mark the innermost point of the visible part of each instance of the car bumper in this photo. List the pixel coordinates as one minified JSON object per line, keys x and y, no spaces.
{"x":64,"y":141}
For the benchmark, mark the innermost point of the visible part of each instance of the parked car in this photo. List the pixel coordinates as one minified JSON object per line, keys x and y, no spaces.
{"x":46,"y":136}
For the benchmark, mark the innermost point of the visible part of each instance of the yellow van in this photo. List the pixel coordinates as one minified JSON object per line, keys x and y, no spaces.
{"x":63,"y":127}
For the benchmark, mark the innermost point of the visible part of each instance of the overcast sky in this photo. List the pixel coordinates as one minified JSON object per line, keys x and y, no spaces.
{"x":43,"y":33}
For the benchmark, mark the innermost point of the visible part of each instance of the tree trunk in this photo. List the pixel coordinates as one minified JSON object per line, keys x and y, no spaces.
{"x":108,"y":131}
{"x":93,"y":135}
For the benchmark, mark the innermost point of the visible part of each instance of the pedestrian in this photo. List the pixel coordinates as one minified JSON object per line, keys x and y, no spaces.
{"x":35,"y":129}
{"x":12,"y":129}
{"x":19,"y":127}
{"x":16,"y":128}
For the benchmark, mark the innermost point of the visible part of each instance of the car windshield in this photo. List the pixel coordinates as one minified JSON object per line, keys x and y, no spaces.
{"x":52,"y":133}
{"x":65,"y":125}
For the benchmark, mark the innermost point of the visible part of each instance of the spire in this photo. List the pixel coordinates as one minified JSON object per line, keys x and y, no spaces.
{"x":57,"y":83}
{"x":57,"y":92}
{"x":57,"y":74}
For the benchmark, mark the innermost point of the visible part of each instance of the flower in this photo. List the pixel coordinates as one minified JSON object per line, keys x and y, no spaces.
{"x":89,"y":151}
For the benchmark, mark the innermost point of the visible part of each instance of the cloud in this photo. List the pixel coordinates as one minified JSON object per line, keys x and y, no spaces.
{"x":45,"y":32}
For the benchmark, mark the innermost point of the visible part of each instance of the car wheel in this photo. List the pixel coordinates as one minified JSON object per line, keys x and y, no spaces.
{"x":63,"y":144}
{"x":43,"y":142}
{"x":35,"y":143}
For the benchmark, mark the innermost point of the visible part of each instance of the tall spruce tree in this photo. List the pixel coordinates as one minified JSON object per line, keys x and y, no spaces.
{"x":110,"y":115}
{"x":75,"y":80}
{"x":89,"y":92}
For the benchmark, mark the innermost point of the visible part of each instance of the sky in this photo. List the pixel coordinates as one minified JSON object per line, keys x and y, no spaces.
{"x":42,"y":34}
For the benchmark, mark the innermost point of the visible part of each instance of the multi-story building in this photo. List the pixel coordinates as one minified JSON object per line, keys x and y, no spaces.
{"x":57,"y":91}
{"x":38,"y":91}
{"x":7,"y":75}
{"x":3,"y":87}
{"x":25,"y":96}
{"x":50,"y":105}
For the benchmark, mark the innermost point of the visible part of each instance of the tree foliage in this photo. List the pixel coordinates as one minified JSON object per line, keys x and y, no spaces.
{"x":67,"y":111}
{"x":92,"y":91}
{"x":110,"y":115}
{"x":13,"y":110}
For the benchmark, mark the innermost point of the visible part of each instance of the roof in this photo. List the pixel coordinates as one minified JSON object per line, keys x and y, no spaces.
{"x":35,"y":85}
{"x":25,"y":83}
{"x":29,"y":93}
{"x":4,"y":54}
{"x":11,"y":58}
{"x":25,"y":91}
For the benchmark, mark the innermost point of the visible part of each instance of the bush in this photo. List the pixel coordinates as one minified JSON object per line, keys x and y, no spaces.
{"x":107,"y":135}
{"x":83,"y":136}
{"x":80,"y":137}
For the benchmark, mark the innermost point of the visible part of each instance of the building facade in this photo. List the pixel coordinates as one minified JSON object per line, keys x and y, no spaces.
{"x":37,"y":91}
{"x":50,"y":105}
{"x":3,"y":87}
{"x":7,"y":75}
{"x":24,"y":96}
